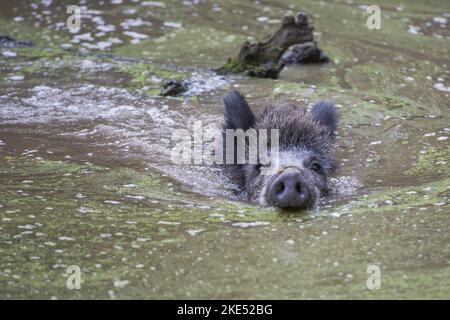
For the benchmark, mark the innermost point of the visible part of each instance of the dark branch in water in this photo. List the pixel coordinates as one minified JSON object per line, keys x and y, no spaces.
{"x":263,"y":59}
{"x":8,"y":42}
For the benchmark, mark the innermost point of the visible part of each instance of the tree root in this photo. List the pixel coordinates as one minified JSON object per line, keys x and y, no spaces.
{"x":263,"y":59}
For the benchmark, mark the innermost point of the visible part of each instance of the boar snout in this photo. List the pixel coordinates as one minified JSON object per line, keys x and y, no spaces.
{"x":290,"y":191}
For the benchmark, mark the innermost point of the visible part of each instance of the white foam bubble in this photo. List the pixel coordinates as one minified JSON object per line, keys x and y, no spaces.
{"x":136,"y":35}
{"x":250,"y":224}
{"x":153,"y":4}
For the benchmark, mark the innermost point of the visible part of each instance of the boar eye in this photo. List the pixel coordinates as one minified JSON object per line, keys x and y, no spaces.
{"x":316,"y":167}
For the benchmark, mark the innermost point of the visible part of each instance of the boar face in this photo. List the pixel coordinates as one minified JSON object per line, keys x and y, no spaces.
{"x":304,"y":161}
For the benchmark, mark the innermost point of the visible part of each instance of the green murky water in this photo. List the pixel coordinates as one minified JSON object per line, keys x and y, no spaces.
{"x":87,"y":180}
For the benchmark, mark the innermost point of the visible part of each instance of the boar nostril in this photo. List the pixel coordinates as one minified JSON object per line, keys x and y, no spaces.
{"x":279,"y":188}
{"x":289,"y":190}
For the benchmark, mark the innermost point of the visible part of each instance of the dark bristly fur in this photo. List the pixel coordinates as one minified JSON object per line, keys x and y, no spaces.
{"x":305,"y":141}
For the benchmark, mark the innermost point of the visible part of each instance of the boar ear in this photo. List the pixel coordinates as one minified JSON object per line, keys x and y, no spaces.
{"x":237,"y":113}
{"x":326,"y":114}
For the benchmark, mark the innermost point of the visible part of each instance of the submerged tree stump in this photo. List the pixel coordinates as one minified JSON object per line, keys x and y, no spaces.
{"x":262,"y":59}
